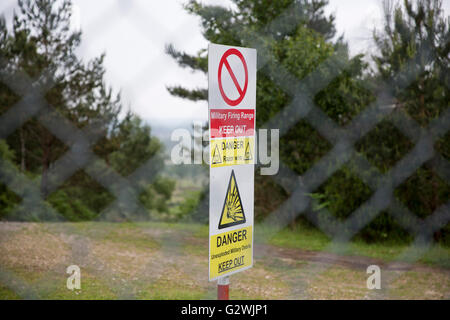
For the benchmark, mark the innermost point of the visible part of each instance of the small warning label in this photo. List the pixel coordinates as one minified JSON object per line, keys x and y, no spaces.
{"x":233,"y":151}
{"x":216,"y":157}
{"x":232,"y":212}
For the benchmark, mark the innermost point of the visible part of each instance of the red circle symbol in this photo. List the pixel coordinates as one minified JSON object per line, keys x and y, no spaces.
{"x":224,"y":62}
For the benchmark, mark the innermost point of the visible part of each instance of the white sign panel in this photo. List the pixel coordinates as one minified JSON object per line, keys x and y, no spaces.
{"x":232,"y":102}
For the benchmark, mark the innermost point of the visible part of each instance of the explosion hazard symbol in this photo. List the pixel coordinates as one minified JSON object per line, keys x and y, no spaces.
{"x":216,"y":157}
{"x":233,"y":211}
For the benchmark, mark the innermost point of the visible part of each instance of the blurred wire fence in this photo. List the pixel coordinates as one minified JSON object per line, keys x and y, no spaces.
{"x":126,"y":190}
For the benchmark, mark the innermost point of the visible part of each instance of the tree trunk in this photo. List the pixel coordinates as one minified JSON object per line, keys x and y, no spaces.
{"x":46,"y":149}
{"x":22,"y":151}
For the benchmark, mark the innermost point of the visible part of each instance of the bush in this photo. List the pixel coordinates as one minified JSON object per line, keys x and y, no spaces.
{"x":190,"y":203}
{"x":156,"y":196}
{"x":8,"y":199}
{"x":69,"y":208}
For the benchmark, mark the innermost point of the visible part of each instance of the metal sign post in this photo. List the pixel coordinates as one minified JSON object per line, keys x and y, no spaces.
{"x":232,"y":112}
{"x":223,"y":288}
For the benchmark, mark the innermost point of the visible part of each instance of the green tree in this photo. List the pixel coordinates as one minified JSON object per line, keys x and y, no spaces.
{"x":42,"y":45}
{"x":301,"y":42}
{"x":413,"y":57}
{"x":414,"y":49}
{"x":133,"y":137}
{"x":134,"y":147}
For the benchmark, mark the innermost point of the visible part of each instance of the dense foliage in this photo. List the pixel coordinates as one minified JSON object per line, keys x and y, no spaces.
{"x":301,"y":38}
{"x":42,"y":46}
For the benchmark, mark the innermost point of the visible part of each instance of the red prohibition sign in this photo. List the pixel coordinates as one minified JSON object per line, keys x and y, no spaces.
{"x":242,"y":91}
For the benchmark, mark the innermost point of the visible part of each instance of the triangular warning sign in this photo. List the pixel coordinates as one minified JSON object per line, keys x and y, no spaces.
{"x":233,"y":211}
{"x":216,"y":158}
{"x":248,"y":153}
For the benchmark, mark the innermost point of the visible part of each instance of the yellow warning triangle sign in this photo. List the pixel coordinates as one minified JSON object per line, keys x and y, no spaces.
{"x":233,"y":211}
{"x":216,"y":158}
{"x":248,"y":154}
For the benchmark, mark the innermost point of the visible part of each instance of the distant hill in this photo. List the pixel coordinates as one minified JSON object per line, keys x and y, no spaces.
{"x":163,"y":131}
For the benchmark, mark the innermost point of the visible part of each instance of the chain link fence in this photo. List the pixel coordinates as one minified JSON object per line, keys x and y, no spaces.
{"x":126,"y":190}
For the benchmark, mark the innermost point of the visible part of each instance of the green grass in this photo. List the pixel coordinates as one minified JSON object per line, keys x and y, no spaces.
{"x":185,"y":227}
{"x":202,"y":232}
{"x":123,"y":234}
{"x":306,"y":238}
{"x":136,"y":239}
{"x":169,"y":290}
{"x":300,"y":238}
{"x":377,"y":250}
{"x":184,"y":275}
{"x":51,"y":286}
{"x":92,"y":289}
{"x":196,"y":249}
{"x":7,"y":294}
{"x":437,"y":256}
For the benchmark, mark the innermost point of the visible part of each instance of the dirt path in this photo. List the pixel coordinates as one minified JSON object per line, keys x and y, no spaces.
{"x":346,"y":261}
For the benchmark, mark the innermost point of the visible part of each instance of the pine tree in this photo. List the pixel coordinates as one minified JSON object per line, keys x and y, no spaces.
{"x":414,"y":55}
{"x":301,"y":37}
{"x":226,"y":26}
{"x":414,"y":49}
{"x":43,"y":46}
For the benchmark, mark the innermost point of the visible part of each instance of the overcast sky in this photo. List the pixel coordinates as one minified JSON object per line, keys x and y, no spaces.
{"x":133,"y":33}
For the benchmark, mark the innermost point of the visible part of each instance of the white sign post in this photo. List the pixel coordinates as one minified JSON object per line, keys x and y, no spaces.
{"x":232,"y":102}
